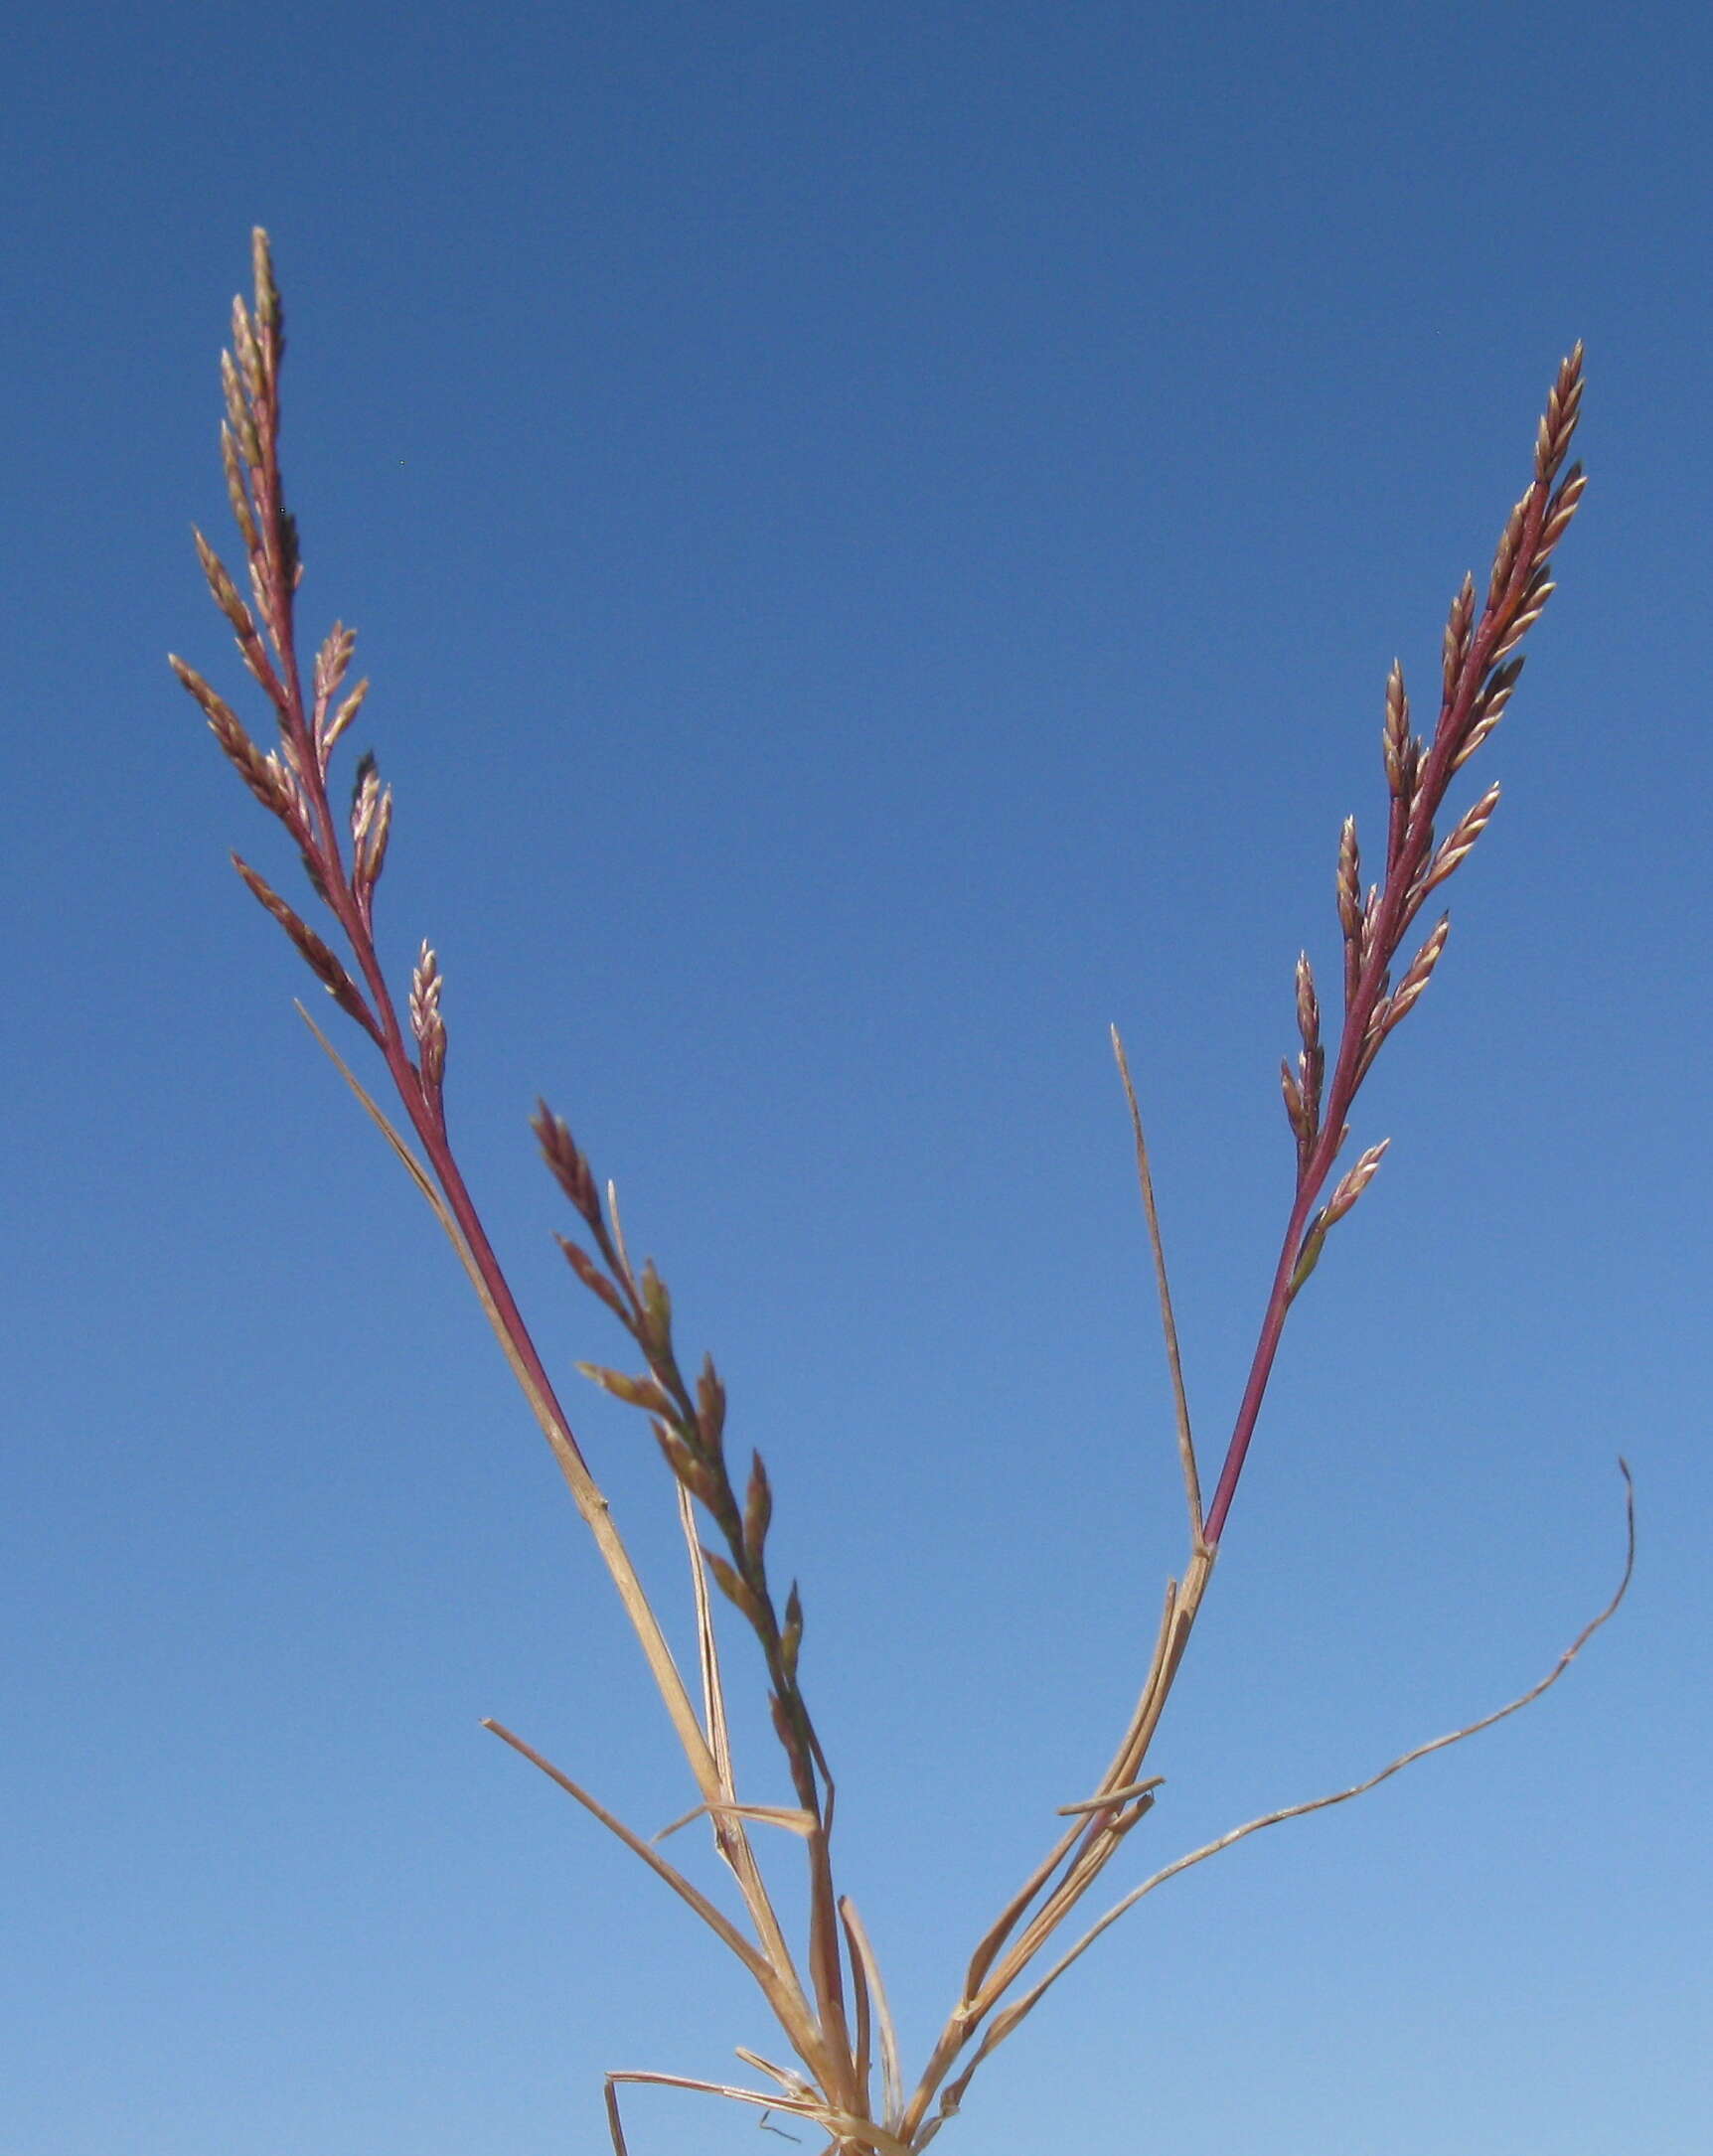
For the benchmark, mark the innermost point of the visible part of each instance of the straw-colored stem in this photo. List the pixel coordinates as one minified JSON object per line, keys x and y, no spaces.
{"x":1098,"y":1831}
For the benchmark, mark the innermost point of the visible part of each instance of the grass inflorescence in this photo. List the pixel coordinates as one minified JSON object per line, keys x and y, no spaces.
{"x":849,"y":2080}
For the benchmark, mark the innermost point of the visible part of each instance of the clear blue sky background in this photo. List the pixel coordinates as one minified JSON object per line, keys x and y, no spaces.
{"x":878,"y":533}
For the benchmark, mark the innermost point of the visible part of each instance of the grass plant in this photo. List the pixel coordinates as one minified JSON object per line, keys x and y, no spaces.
{"x":847,"y":2076}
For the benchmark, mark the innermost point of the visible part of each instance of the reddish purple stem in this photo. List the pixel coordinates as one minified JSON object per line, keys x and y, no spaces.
{"x":426,"y":1116}
{"x":1436,"y":776}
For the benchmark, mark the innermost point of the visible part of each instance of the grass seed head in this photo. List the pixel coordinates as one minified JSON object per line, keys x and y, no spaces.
{"x":1355,"y":1182}
{"x":1295,"y":1111}
{"x":341,"y":719}
{"x":226,"y":593}
{"x":427,"y":1023}
{"x":1420,"y":971}
{"x":1558,"y":421}
{"x":757,"y":1513}
{"x":1506,"y":553}
{"x":1561,"y":510}
{"x":1459,"y":844}
{"x":1460,"y":628}
{"x":571,"y":1170}
{"x":1400,"y":764}
{"x":711,"y":1407}
{"x":316,"y":955}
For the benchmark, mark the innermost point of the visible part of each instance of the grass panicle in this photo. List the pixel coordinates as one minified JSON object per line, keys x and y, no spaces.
{"x":849,"y":2083}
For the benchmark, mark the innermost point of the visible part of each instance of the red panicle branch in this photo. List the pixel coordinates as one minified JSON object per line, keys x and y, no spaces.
{"x":1478,"y":674}
{"x":291,"y":781}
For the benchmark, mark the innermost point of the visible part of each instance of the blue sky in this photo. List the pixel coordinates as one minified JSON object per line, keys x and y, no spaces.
{"x":879,"y":534}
